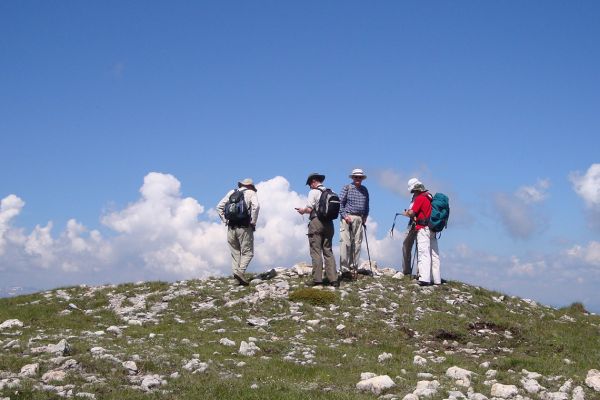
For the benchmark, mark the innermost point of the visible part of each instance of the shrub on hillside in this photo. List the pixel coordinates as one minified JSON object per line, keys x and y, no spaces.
{"x":313,"y":296}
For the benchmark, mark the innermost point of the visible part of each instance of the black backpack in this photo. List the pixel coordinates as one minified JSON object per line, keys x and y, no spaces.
{"x":328,"y":208}
{"x":236,"y":211}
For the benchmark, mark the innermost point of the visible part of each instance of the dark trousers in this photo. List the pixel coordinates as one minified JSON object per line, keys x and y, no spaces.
{"x":320,"y":237}
{"x":407,"y":245}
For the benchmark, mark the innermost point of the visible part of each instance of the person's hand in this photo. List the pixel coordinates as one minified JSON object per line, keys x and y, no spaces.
{"x":253,"y":227}
{"x":348,"y":219}
{"x":364,"y":220}
{"x":300,"y":210}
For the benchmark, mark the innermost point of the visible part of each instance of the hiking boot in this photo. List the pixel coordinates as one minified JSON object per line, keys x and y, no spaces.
{"x":265,"y":276}
{"x":423,"y":283}
{"x":241,"y":280}
{"x":312,"y":283}
{"x":346,"y":276}
{"x":336,"y":284}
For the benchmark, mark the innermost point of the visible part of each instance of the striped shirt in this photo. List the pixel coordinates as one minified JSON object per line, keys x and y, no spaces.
{"x":354,"y":201}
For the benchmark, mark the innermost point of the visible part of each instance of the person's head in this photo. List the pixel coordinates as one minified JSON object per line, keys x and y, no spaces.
{"x":357,"y":175}
{"x":315,"y":179}
{"x":415,"y":186}
{"x":247,"y":183}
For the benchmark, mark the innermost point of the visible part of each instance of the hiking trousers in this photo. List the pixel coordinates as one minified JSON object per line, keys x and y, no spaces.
{"x":351,"y":236}
{"x":407,"y":245}
{"x":241,"y":244}
{"x":320,"y":236}
{"x":428,"y":258}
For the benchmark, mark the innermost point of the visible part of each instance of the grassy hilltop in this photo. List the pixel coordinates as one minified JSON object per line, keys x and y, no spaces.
{"x":211,"y":339}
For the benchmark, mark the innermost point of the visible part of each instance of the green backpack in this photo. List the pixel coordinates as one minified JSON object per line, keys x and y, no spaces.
{"x":440,"y":212}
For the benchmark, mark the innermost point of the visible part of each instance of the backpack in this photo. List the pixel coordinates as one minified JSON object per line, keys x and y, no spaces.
{"x":328,"y":208}
{"x":440,"y":211}
{"x":236,"y":211}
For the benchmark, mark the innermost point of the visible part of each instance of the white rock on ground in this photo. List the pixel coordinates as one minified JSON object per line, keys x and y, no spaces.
{"x":410,"y":396}
{"x":248,"y":349}
{"x":29,"y":370}
{"x":418,"y":360}
{"x":461,"y":376}
{"x":504,"y":391}
{"x":227,"y":342}
{"x":554,"y":396}
{"x":384,"y":357}
{"x":578,"y":393}
{"x":151,"y":381}
{"x":531,"y":386}
{"x":376,"y":385}
{"x":115,"y":330}
{"x":54,"y":376}
{"x":131,"y":367}
{"x":593,"y":379}
{"x":196,"y":366}
{"x":367,"y":375}
{"x":426,"y":388}
{"x":11,"y":323}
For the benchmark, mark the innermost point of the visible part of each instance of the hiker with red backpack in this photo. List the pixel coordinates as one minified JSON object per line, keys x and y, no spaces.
{"x":428,"y":259}
{"x":354,"y":211}
{"x":239,"y":210}
{"x":323,"y":207}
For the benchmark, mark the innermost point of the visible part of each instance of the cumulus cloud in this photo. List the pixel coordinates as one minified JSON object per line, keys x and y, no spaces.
{"x":534,"y":193}
{"x":589,"y":253}
{"x":587,"y":186}
{"x":10,"y":207}
{"x":518,"y":211}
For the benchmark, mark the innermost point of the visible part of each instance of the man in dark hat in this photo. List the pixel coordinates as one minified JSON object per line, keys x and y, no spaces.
{"x":240,"y":230}
{"x":320,"y":234}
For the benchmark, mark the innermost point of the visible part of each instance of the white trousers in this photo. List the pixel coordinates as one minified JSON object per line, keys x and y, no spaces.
{"x":241,"y":244}
{"x":428,"y":257}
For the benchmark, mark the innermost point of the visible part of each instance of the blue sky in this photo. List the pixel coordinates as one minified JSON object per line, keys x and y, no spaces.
{"x":494,"y":103}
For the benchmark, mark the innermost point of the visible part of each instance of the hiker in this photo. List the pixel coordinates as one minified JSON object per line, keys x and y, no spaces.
{"x":239,"y":210}
{"x":428,"y":259}
{"x":320,"y":234}
{"x":354,"y":211}
{"x":411,"y":234}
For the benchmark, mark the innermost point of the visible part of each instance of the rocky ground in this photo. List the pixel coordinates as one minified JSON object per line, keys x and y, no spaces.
{"x":380,"y":337}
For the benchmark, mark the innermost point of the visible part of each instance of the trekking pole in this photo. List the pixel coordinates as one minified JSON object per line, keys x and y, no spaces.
{"x":394,"y":224}
{"x":367,"y":243}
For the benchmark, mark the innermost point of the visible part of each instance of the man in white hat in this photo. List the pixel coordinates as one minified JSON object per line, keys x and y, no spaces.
{"x":354,"y":211}
{"x":428,"y":259}
{"x":239,"y":210}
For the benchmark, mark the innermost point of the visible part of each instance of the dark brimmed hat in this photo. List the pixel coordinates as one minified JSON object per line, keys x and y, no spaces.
{"x":315,"y":175}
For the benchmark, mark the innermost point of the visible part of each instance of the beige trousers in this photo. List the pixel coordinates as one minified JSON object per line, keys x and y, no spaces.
{"x":351,"y":236}
{"x":320,"y":236}
{"x":241,"y":244}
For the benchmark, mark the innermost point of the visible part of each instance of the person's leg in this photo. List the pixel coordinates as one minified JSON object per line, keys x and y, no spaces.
{"x":345,"y":246}
{"x":234,"y":247}
{"x":315,"y":243}
{"x":407,"y":246}
{"x":329,"y":260}
{"x":435,"y":260}
{"x":357,"y":231}
{"x":246,"y":247}
{"x":424,"y":255}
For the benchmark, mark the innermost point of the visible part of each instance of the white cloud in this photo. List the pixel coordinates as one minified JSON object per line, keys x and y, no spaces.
{"x":519,"y":211}
{"x":589,"y":254}
{"x":534,"y":193}
{"x":10,"y":207}
{"x":587,"y":186}
{"x":531,"y":268}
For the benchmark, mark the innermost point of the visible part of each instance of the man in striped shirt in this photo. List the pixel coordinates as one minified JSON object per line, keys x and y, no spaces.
{"x":354,"y":210}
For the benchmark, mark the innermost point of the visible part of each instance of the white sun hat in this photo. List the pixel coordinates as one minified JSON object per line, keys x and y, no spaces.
{"x":357,"y":172}
{"x":412,"y":184}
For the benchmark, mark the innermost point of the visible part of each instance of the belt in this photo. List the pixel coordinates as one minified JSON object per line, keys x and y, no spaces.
{"x":356,"y":214}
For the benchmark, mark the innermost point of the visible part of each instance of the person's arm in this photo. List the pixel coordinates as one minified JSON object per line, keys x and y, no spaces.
{"x":343,"y":201}
{"x":367,"y":208}
{"x":254,"y":208}
{"x":221,"y":206}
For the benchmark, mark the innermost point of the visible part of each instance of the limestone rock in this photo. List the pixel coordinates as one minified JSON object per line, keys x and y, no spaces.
{"x":29,"y":370}
{"x":131,"y":367}
{"x":248,"y":349}
{"x":376,"y":384}
{"x":55,"y":375}
{"x":11,"y":323}
{"x":418,"y":360}
{"x":593,"y":379}
{"x":504,"y":391}
{"x":227,"y":342}
{"x":461,"y":376}
{"x":384,"y":357}
{"x":426,"y":388}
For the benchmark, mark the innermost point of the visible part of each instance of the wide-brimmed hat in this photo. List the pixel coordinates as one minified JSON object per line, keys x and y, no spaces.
{"x":315,"y":175}
{"x":247,"y":182}
{"x":357,"y":172}
{"x":415,"y":184}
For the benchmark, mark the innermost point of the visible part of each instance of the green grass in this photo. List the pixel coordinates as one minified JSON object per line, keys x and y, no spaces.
{"x":383,"y":315}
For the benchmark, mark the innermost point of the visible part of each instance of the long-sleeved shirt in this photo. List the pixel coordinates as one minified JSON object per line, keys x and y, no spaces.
{"x":354,"y":200}
{"x":251,"y":200}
